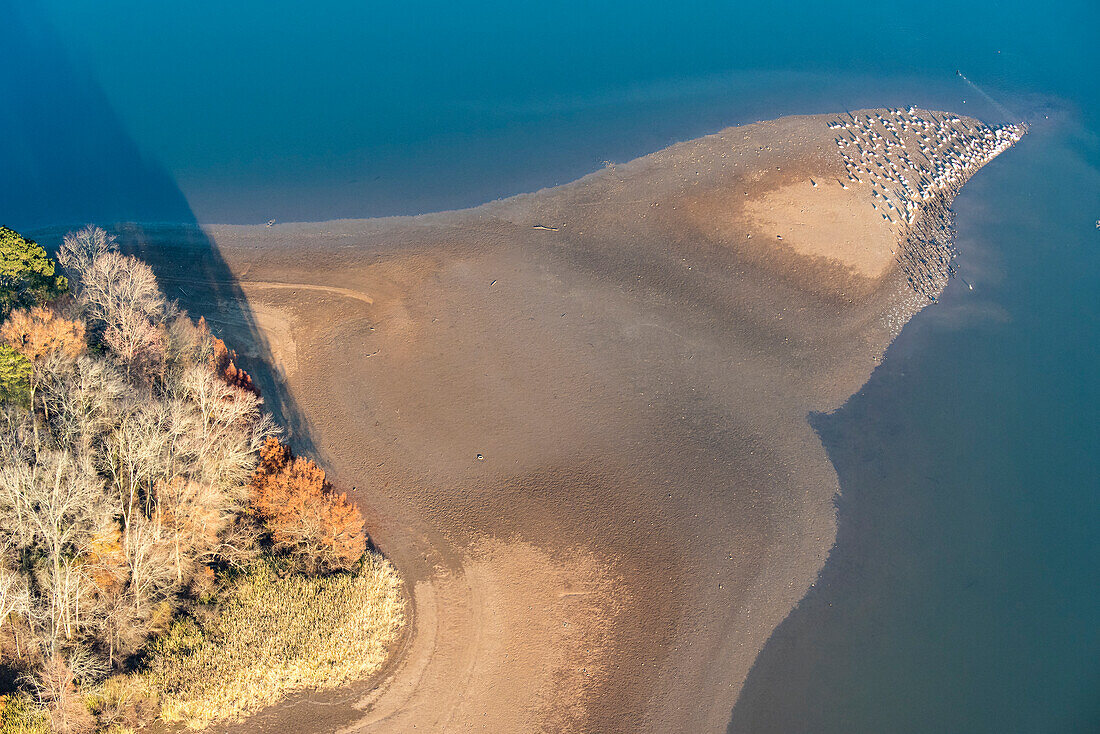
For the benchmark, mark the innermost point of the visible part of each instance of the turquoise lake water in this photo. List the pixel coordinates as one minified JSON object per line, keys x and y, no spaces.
{"x":962,"y":593}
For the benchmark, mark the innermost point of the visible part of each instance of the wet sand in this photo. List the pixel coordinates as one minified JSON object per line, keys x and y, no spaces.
{"x":576,"y":420}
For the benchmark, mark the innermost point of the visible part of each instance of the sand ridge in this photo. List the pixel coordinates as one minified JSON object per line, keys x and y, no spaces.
{"x":576,"y":421}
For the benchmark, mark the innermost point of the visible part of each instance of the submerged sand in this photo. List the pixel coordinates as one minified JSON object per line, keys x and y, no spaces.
{"x":576,"y":420}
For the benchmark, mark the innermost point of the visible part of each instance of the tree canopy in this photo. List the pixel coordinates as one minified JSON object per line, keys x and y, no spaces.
{"x":28,"y":277}
{"x":305,"y":518}
{"x":139,"y":476}
{"x":15,"y":374}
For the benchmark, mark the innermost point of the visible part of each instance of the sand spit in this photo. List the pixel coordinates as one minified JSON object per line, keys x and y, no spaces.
{"x":913,"y":190}
{"x":576,"y":419}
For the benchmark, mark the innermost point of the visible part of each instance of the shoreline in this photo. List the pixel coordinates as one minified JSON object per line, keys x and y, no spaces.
{"x":605,"y":468}
{"x":924,"y":576}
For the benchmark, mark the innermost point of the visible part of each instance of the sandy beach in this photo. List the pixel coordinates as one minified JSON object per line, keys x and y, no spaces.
{"x":576,"y":420}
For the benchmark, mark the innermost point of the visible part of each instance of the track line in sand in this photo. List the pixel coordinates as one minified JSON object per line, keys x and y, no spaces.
{"x":346,"y":292}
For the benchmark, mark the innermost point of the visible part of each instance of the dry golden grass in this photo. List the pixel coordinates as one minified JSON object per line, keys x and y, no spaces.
{"x":273,"y":635}
{"x":268,"y":636}
{"x":19,"y":714}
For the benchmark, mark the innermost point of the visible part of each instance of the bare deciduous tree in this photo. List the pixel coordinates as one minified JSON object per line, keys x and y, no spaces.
{"x":81,"y":248}
{"x":82,"y":400}
{"x":15,"y":594}
{"x":120,"y":295}
{"x":231,"y":427}
{"x":50,"y":510}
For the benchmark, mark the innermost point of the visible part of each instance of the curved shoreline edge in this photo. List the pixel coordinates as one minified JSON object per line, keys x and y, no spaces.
{"x":576,"y":419}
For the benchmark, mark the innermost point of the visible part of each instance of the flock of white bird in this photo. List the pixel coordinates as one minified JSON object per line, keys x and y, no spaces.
{"x":909,"y":158}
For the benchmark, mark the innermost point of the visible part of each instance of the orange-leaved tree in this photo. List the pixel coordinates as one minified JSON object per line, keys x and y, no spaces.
{"x":223,"y":361}
{"x":302,"y":514}
{"x":225,"y":366}
{"x":38,"y":333}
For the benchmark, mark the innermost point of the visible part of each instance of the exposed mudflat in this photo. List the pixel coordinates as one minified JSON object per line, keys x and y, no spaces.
{"x":575,"y":420}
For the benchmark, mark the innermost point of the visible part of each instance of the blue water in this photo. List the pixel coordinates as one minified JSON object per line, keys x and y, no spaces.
{"x":961,"y":595}
{"x":259,"y":109}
